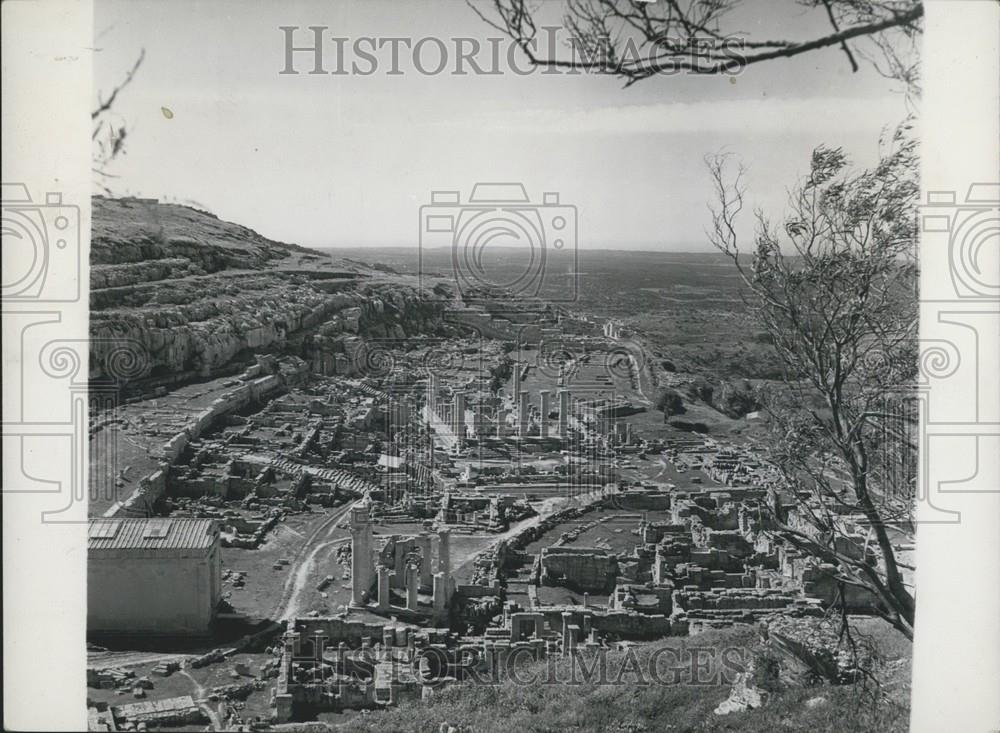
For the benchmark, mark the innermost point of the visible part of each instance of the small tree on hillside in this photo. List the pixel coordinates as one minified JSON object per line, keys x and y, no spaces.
{"x":833,"y":284}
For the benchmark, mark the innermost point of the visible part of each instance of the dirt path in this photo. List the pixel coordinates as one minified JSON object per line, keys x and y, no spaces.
{"x":288,"y":605}
{"x":643,"y":379}
{"x":200,"y":698}
{"x":292,"y":605}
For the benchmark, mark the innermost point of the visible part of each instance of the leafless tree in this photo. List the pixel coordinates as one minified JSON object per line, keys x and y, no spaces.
{"x":635,"y":39}
{"x":834,"y":286}
{"x":108,"y":131}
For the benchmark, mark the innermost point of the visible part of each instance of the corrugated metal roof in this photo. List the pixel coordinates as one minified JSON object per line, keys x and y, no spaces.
{"x":158,"y":533}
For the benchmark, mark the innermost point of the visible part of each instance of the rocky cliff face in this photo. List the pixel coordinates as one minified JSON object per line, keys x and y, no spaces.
{"x":177,"y":293}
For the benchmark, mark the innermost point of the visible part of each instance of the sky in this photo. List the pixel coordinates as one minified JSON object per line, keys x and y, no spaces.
{"x":348,"y":160}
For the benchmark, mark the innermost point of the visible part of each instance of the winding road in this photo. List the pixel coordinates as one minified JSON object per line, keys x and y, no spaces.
{"x":288,"y":605}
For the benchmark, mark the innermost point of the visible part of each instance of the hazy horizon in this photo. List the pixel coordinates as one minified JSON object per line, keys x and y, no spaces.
{"x":595,"y":248}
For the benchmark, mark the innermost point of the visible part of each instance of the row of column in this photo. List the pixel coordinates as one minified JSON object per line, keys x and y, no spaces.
{"x":545,"y":408}
{"x":457,"y":418}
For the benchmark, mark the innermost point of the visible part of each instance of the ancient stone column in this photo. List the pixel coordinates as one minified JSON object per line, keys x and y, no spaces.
{"x":567,"y":621}
{"x":440,"y":597}
{"x":361,"y":554}
{"x":522,"y":415}
{"x":383,"y":589}
{"x":477,"y":420}
{"x":432,"y":389}
{"x":501,"y":421}
{"x":426,"y":571}
{"x":444,"y":558}
{"x":543,"y":424}
{"x":458,"y":417}
{"x":412,"y":585}
{"x":564,"y":413}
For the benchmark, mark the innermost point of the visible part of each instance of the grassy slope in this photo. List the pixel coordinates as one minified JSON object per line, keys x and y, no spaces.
{"x":634,"y":708}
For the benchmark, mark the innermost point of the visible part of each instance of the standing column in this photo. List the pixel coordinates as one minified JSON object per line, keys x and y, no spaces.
{"x":458,"y":417}
{"x":477,"y":420}
{"x":426,"y":571}
{"x":412,"y":584}
{"x":432,"y":388}
{"x":383,"y":588}
{"x":444,"y":559}
{"x":522,"y":414}
{"x":501,"y":420}
{"x":567,"y":620}
{"x":543,"y":424}
{"x":564,"y":413}
{"x":440,"y":597}
{"x":361,"y":554}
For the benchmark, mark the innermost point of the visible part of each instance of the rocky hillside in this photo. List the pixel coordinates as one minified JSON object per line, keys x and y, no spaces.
{"x":177,"y":293}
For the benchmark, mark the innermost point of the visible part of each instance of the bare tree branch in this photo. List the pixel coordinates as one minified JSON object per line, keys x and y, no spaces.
{"x":637,"y":40}
{"x":108,"y":138}
{"x":105,"y":106}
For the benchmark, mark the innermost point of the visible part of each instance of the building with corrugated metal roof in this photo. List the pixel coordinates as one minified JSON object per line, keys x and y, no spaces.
{"x":158,"y":575}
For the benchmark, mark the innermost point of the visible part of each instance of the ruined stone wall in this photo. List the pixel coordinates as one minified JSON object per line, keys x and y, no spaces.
{"x":643,"y":500}
{"x":732,"y":599}
{"x":337,"y":630}
{"x":587,"y":569}
{"x":637,"y":625}
{"x":152,"y":487}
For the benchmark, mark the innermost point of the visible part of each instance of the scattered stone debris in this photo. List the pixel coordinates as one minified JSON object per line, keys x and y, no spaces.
{"x":109,"y":678}
{"x":165,"y":669}
{"x":216,"y":655}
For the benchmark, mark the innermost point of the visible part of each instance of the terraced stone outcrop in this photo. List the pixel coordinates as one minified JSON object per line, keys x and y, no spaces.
{"x":177,"y":293}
